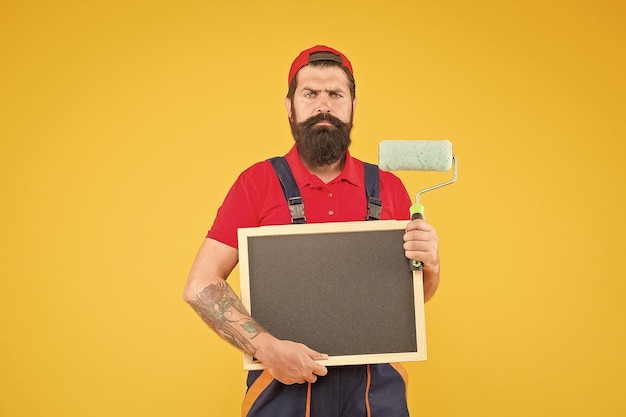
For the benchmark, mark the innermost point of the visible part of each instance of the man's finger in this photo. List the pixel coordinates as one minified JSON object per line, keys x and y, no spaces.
{"x":320,"y":370}
{"x":312,"y":378}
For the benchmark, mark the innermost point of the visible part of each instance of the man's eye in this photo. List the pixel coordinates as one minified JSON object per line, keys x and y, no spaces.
{"x":309,"y":94}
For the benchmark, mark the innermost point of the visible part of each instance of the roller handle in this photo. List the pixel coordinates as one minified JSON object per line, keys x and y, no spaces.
{"x":417,"y":212}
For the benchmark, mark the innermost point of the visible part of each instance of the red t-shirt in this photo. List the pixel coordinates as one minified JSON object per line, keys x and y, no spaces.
{"x":257,"y":199}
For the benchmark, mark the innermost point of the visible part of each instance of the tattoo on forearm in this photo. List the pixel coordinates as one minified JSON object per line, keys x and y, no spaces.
{"x":222,"y":310}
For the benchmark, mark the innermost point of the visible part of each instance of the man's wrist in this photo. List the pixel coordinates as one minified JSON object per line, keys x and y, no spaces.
{"x":431,"y":268}
{"x":261,"y":344}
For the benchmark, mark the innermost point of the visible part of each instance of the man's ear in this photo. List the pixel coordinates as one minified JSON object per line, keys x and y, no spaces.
{"x":288,"y":107}
{"x":353,"y":104}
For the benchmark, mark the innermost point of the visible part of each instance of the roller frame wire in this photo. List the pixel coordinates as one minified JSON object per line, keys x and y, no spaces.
{"x":417,"y":210}
{"x":454,"y":176}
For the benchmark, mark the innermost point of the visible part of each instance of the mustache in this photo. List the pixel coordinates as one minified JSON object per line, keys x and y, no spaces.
{"x":322,"y":117}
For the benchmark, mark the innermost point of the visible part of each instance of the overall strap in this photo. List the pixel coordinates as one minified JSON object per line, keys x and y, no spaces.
{"x":290,"y":189}
{"x":294,"y":199}
{"x":372,"y":191}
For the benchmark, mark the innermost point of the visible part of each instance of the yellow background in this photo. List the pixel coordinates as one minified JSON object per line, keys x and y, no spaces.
{"x":124,"y":123}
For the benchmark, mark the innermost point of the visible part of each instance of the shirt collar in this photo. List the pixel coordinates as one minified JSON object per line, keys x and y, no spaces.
{"x":303,"y":177}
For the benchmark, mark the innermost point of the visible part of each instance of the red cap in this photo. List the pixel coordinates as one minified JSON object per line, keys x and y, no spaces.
{"x":318,"y":53}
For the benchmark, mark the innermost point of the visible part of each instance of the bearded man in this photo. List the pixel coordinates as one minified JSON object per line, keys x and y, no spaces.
{"x":320,"y":105}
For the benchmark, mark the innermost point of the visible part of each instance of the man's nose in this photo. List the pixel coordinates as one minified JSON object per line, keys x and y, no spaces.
{"x":324,"y":105}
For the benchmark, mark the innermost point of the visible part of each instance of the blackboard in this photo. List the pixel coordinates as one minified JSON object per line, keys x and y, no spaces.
{"x":345,"y":289}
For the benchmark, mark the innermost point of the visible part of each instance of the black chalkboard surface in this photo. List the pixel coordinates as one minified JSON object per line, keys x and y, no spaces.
{"x":345,"y":289}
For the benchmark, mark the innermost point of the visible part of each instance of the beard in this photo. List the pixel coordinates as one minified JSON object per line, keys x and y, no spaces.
{"x":324,"y":145}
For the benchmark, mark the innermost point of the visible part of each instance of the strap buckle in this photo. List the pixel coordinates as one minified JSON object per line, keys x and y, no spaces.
{"x":296,"y":209}
{"x":374,"y":208}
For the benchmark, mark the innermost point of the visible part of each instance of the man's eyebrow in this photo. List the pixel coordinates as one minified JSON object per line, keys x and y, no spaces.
{"x":328,"y":90}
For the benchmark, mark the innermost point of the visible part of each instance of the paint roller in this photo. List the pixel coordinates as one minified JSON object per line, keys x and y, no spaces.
{"x":418,"y":155}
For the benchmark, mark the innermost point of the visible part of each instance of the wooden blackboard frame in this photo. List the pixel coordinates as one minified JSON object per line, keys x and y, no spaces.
{"x":256,"y":248}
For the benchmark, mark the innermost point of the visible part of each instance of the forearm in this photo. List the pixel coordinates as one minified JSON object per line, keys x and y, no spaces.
{"x":223,"y":311}
{"x":220,"y":307}
{"x":431,"y":281}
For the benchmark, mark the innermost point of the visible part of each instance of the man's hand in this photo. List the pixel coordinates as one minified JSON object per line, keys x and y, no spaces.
{"x":289,"y":362}
{"x":422,"y":244}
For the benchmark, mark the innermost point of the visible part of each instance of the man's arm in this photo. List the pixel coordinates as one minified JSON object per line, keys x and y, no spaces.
{"x":214,"y":300}
{"x":421,"y":243}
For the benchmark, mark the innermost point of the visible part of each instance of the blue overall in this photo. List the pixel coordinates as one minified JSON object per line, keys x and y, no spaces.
{"x":346,"y":391}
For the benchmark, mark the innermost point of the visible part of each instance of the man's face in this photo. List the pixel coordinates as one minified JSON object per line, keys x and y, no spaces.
{"x":320,"y":115}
